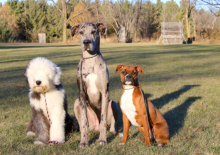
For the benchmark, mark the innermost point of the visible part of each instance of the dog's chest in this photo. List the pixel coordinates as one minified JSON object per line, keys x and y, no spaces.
{"x":91,"y":80}
{"x":128,"y":107}
{"x":51,"y":103}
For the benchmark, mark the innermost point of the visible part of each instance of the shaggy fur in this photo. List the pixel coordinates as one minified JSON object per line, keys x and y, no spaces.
{"x":43,"y":77}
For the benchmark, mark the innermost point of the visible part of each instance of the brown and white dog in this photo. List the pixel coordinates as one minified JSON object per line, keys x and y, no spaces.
{"x":133,"y":107}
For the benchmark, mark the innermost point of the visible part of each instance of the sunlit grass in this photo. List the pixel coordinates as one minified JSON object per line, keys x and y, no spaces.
{"x":181,"y":80}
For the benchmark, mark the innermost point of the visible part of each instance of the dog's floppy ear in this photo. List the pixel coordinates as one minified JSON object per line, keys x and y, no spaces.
{"x":139,"y":69}
{"x":102,"y":27}
{"x":119,"y":67}
{"x":57,"y":76}
{"x":75,"y":29}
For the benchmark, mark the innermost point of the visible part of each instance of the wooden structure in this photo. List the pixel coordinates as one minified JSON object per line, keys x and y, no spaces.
{"x":41,"y":37}
{"x":172,"y":33}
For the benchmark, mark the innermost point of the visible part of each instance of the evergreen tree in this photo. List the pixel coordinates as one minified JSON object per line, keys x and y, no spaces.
{"x":54,"y":24}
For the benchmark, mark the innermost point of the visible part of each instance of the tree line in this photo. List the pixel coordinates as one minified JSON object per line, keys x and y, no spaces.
{"x":22,"y":20}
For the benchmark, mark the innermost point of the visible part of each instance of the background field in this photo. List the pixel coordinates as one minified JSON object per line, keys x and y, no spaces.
{"x":181,"y":80}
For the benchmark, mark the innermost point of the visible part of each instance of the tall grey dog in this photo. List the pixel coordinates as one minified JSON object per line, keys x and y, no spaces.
{"x":92,"y":108}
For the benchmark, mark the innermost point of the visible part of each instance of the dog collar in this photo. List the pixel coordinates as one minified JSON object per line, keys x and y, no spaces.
{"x":90,"y":57}
{"x":132,"y":87}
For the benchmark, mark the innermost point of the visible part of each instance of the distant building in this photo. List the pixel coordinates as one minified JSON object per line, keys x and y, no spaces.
{"x":172,"y":33}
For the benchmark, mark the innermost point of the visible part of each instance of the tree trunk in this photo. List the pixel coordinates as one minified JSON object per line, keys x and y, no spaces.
{"x":194,"y":31}
{"x":64,"y":21}
{"x":188,"y":25}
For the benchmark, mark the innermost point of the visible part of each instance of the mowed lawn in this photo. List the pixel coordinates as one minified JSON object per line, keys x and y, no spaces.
{"x":182,"y":81}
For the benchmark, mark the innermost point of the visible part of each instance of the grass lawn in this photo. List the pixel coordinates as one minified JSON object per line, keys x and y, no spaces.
{"x":182,"y":81}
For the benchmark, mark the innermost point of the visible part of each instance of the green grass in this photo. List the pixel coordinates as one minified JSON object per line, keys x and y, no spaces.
{"x":182,"y":81}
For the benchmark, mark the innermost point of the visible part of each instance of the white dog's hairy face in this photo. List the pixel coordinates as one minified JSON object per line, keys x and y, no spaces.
{"x":42,"y":75}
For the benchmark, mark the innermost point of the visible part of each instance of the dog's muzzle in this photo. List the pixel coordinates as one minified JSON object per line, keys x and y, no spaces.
{"x":86,"y":42}
{"x":38,"y":82}
{"x":128,"y":80}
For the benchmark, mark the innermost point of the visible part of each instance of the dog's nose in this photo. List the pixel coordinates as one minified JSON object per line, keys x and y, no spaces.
{"x":129,"y":76}
{"x":86,"y":42}
{"x":38,"y":82}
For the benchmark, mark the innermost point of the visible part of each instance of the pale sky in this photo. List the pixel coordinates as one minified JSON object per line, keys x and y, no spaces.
{"x":199,"y":6}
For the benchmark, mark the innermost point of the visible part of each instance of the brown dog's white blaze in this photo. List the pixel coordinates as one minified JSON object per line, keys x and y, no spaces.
{"x":133,"y":109}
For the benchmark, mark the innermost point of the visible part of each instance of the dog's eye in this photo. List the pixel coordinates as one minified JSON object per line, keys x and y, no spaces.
{"x":81,"y":32}
{"x":134,"y":73}
{"x":93,"y":32}
{"x":124,"y":72}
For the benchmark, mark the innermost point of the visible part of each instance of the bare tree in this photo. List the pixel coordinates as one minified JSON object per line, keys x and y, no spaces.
{"x":123,"y":16}
{"x":189,"y":7}
{"x":214,"y":3}
{"x":63,"y":12}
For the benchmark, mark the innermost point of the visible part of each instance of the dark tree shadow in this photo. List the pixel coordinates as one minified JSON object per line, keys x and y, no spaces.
{"x":33,"y":46}
{"x":160,"y":102}
{"x":175,"y":117}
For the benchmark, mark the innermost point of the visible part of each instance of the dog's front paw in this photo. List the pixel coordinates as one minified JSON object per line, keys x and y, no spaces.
{"x":114,"y":132}
{"x":102,"y":142}
{"x":30,"y":134}
{"x":121,"y":144}
{"x":160,"y":145}
{"x":83,"y":145}
{"x":37,"y":142}
{"x":120,"y":134}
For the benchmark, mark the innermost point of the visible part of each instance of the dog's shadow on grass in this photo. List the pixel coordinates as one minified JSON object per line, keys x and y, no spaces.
{"x":37,"y":46}
{"x":160,"y":102}
{"x":175,"y":117}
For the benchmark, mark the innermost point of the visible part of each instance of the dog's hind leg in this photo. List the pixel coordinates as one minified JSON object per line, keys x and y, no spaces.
{"x":31,"y":128}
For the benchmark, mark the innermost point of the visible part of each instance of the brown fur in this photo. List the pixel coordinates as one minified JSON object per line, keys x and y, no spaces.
{"x":160,"y":126}
{"x":35,"y":95}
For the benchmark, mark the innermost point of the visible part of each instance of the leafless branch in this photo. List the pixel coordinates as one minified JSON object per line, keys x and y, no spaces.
{"x":57,"y":7}
{"x":215,"y":3}
{"x":82,"y":12}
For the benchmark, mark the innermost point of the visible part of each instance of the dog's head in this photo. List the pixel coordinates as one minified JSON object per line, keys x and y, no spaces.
{"x":42,"y":75}
{"x":129,"y":74}
{"x":89,"y":35}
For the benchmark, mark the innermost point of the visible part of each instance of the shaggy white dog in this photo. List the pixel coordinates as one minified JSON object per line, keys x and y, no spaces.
{"x":47,"y":101}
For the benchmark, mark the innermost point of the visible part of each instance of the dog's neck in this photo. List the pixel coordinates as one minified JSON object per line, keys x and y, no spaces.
{"x":87,"y":55}
{"x":128,"y":87}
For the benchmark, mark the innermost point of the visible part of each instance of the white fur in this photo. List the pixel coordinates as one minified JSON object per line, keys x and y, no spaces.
{"x":41,"y":69}
{"x":91,"y":79}
{"x":30,"y":134}
{"x":49,"y":74}
{"x":127,"y":105}
{"x":38,"y":142}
